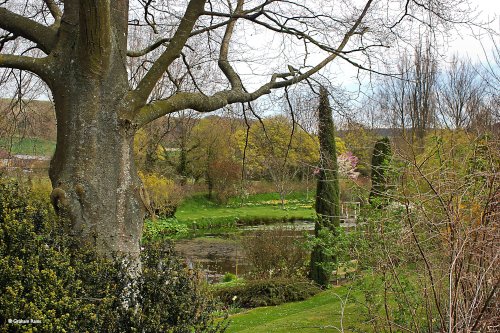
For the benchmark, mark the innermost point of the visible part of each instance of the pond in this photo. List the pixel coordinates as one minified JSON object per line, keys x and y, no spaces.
{"x":217,"y":254}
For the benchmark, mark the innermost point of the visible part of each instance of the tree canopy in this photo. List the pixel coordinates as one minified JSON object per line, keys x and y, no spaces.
{"x":188,"y":55}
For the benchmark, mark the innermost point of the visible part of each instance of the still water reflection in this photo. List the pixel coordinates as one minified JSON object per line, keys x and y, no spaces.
{"x":223,"y":253}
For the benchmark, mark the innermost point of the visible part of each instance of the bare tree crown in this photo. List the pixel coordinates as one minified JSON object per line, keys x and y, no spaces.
{"x":208,"y":53}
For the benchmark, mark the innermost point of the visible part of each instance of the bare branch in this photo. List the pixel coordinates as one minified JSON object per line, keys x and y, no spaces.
{"x":148,"y":17}
{"x":6,"y":38}
{"x":223,"y":62}
{"x":34,"y":65}
{"x":149,"y":48}
{"x":174,"y":49}
{"x":162,"y":41}
{"x":40,"y":34}
{"x":187,"y":100}
{"x":54,"y":9}
{"x":188,"y":68}
{"x":204,"y":103}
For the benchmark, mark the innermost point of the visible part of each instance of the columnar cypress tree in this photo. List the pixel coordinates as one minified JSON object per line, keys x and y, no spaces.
{"x":380,"y":159}
{"x":327,"y":192}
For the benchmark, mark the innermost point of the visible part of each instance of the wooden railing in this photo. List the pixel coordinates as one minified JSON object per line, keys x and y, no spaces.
{"x":349,"y":211}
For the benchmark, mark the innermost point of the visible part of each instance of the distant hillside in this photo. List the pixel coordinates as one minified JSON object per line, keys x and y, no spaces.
{"x":27,"y":119}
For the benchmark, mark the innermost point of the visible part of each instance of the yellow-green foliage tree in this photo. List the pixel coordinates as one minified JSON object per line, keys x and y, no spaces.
{"x":340,"y":146}
{"x":271,"y":143}
{"x":277,"y":151}
{"x":214,"y":158}
{"x":162,"y":195}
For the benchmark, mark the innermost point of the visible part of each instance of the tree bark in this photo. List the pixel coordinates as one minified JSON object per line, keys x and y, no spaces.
{"x":92,"y":172}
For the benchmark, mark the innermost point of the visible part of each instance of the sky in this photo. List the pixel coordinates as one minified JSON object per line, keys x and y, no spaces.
{"x":467,"y":44}
{"x":464,"y":42}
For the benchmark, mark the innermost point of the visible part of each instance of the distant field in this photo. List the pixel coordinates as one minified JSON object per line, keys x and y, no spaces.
{"x":28,"y":146}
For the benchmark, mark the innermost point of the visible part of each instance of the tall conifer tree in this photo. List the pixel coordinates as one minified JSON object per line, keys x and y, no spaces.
{"x":380,"y":159}
{"x":327,"y":192}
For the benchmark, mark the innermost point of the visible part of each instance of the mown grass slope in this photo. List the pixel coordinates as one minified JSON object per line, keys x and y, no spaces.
{"x":259,"y":206}
{"x":329,"y":311}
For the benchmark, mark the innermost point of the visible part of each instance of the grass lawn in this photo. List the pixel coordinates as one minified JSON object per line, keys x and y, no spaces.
{"x":321,"y":313}
{"x":196,"y":215}
{"x":260,"y":206}
{"x":28,"y":146}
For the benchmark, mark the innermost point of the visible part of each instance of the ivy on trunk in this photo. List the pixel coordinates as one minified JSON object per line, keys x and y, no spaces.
{"x":327,"y":193}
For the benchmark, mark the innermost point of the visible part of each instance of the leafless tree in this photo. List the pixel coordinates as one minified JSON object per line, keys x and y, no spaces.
{"x":409,"y":98}
{"x":460,"y":95}
{"x":491,"y":77}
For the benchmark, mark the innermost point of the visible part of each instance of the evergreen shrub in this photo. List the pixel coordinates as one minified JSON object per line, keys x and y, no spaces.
{"x":270,"y":292}
{"x":48,"y":285}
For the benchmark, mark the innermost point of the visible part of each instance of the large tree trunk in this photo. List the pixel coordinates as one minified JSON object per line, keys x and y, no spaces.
{"x":93,"y":172}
